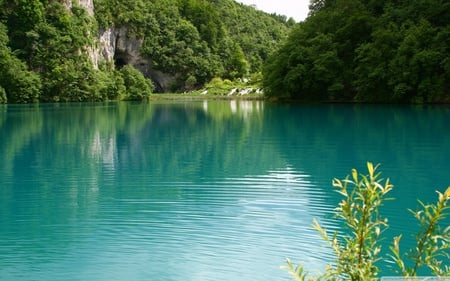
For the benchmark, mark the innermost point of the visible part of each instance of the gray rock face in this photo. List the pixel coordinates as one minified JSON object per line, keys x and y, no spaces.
{"x":88,"y":5}
{"x":117,"y":46}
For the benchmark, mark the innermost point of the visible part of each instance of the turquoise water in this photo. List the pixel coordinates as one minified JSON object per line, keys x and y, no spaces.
{"x":219,"y":190}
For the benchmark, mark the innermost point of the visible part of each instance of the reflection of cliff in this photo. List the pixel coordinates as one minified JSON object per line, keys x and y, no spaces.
{"x":79,"y":162}
{"x":185,"y":140}
{"x":195,"y":170}
{"x":209,"y":139}
{"x":85,"y":147}
{"x":57,"y":153}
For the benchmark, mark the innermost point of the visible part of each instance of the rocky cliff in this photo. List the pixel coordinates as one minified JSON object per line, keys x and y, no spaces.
{"x":95,"y":50}
{"x":117,"y":46}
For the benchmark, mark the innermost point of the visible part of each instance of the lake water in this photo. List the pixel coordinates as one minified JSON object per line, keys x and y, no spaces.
{"x":218,"y":190}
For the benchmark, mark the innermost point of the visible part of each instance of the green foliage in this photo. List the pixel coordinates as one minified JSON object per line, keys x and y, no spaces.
{"x":179,"y":50}
{"x":363,"y":196}
{"x":238,"y":66}
{"x":358,"y":250}
{"x":17,"y":84}
{"x":205,"y":17}
{"x":219,"y":86}
{"x":137,"y":14}
{"x":316,"y":64}
{"x":47,"y":45}
{"x":433,"y":242}
{"x":190,"y":83}
{"x":110,"y":85}
{"x":375,"y":51}
{"x":68,"y":81}
{"x":257,"y":34}
{"x":196,"y":40}
{"x":23,"y":17}
{"x":137,"y":86}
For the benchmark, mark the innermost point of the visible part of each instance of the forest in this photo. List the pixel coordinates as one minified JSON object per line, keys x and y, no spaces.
{"x":389,"y":51}
{"x":46,"y":46}
{"x":384,"y":51}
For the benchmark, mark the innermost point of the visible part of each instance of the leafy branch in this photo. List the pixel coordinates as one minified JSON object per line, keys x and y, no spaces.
{"x":358,"y":251}
{"x":432,"y":242}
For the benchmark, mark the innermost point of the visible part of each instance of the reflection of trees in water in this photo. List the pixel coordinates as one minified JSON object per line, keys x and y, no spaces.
{"x":84,"y":146}
{"x":19,"y":126}
{"x":55,"y":153}
{"x":346,"y":136}
{"x":194,"y":139}
{"x":198,"y":139}
{"x":82,"y":153}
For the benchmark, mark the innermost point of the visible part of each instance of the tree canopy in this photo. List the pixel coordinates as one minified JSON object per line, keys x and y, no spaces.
{"x":365,"y":50}
{"x":46,"y":46}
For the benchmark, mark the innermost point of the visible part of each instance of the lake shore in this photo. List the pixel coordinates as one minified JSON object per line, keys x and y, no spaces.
{"x":198,"y":96}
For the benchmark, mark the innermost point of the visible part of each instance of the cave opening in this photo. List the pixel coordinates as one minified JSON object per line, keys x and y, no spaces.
{"x":120,"y":59}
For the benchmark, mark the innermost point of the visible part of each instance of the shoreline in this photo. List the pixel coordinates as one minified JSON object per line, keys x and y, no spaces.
{"x":200,"y":97}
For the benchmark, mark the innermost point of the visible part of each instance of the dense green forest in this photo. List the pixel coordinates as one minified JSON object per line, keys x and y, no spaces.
{"x":365,"y":50}
{"x":346,"y":50}
{"x":46,"y":47}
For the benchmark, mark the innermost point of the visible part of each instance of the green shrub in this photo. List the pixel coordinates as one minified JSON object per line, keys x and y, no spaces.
{"x":137,"y":86}
{"x":219,"y":86}
{"x":432,"y":241}
{"x":358,"y":250}
{"x":109,"y":85}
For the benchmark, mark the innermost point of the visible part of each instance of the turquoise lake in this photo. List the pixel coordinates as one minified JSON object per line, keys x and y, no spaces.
{"x":207,"y":190}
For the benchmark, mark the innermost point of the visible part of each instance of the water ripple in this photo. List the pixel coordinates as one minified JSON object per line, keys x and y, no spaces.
{"x":266,"y":218}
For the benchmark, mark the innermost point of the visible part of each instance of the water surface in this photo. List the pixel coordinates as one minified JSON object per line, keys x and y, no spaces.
{"x":218,"y":190}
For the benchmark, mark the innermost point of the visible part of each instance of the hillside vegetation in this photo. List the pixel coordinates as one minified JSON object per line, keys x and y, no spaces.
{"x":46,"y":46}
{"x":365,"y":50}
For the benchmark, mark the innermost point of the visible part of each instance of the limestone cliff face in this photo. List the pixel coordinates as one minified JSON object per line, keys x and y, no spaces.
{"x":88,"y":5}
{"x":119,"y":47}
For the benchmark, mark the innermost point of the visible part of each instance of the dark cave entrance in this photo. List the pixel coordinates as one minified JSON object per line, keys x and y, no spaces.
{"x":120,"y":59}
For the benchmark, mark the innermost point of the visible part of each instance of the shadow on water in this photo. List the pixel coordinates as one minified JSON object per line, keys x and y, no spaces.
{"x":198,"y":190}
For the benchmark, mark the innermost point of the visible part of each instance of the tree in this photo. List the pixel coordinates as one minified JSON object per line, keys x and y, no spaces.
{"x":238,"y":65}
{"x":309,"y":72}
{"x":17,"y":84}
{"x":137,"y":86}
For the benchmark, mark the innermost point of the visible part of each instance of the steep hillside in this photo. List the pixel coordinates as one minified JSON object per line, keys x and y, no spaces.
{"x":91,"y":49}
